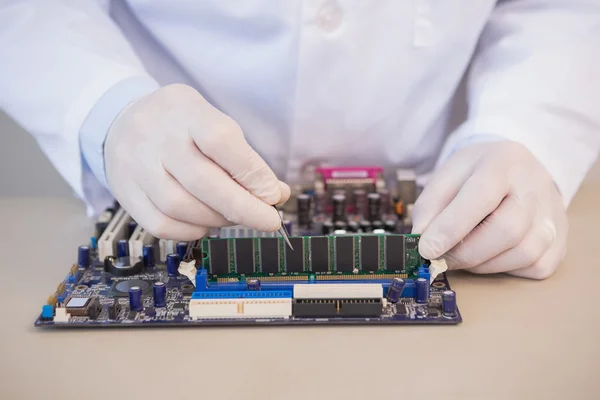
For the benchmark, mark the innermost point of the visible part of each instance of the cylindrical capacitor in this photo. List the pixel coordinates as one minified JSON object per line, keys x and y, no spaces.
{"x":359,"y":200}
{"x":83,"y":256}
{"x":148,"y":256}
{"x":340,"y":226}
{"x":338,"y":201}
{"x":159,"y":289}
{"x":390,"y":226}
{"x":386,"y":201}
{"x":327,"y":228}
{"x":352,"y":226}
{"x":135,"y":298}
{"x":181,"y":249}
{"x":253,"y":284}
{"x":422,"y":291}
{"x":303,"y":210}
{"x":319,"y":200}
{"x":131,"y":225}
{"x":449,"y":303}
{"x":173,"y":264}
{"x":395,"y":290}
{"x":373,"y":206}
{"x":122,"y":248}
{"x":365,"y":226}
{"x":93,"y":242}
{"x":377,"y":224}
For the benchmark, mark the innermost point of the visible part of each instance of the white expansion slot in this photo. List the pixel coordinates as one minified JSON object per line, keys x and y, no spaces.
{"x":240,"y":308}
{"x":166,"y":247}
{"x":338,"y":291}
{"x":138,"y":239}
{"x":115,"y":231}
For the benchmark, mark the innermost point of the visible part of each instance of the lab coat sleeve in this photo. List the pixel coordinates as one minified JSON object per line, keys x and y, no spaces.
{"x":59,"y":58}
{"x":535,"y":79}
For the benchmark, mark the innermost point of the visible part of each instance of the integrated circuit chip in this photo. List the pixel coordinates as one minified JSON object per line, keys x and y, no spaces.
{"x":269,"y":255}
{"x":319,"y":254}
{"x":244,"y":256}
{"x":344,"y":254}
{"x":394,"y":252}
{"x":294,"y":259}
{"x":369,"y":253}
{"x":219,"y":257}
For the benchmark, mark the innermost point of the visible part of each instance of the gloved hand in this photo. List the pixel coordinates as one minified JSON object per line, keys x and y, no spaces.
{"x":492,"y":207}
{"x":179,"y":166}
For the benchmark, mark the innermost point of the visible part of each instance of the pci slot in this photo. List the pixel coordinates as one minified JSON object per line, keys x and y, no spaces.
{"x":338,"y":291}
{"x":115,"y":231}
{"x":330,"y":308}
{"x":138,"y":239}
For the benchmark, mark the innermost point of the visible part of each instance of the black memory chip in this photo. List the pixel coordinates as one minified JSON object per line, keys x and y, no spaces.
{"x":319,"y":254}
{"x":219,"y":256}
{"x":294,"y":259}
{"x":344,"y":254}
{"x":394,"y":252}
{"x":269,"y":255}
{"x":369,"y":253}
{"x":244,"y":256}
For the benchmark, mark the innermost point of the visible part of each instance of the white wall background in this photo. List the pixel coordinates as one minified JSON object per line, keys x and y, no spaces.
{"x":25,"y":171}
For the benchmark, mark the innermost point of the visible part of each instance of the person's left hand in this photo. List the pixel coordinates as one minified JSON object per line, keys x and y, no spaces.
{"x":492,"y":207}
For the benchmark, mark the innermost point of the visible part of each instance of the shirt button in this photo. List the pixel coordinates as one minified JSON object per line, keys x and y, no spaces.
{"x":329,"y":17}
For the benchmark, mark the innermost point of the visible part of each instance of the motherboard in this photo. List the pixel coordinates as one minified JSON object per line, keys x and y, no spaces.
{"x":351,"y":260}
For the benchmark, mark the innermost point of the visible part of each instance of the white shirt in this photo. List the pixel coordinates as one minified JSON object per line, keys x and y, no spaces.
{"x":314,"y":81}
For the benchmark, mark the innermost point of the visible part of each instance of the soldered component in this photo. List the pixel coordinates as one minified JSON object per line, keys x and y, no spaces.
{"x":422,"y":290}
{"x":244,"y":256}
{"x":353,"y":226}
{"x":83,"y":256}
{"x":449,"y":303}
{"x":340,"y":226}
{"x":319,"y":251}
{"x":394,"y":292}
{"x":303,"y":210}
{"x":253,"y":284}
{"x":327,"y":228}
{"x":181,"y":249}
{"x":385,"y":201}
{"x":84,"y":307}
{"x":135,"y":298}
{"x":269,"y":255}
{"x":159,"y":291}
{"x":390,"y":225}
{"x":365,"y":226}
{"x":173,"y":264}
{"x":373,"y":206}
{"x":294,"y":258}
{"x":114,"y":309}
{"x":359,"y":202}
{"x":122,"y":248}
{"x":338,"y":201}
{"x":148,"y":256}
{"x":122,"y":266}
{"x":369,"y":253}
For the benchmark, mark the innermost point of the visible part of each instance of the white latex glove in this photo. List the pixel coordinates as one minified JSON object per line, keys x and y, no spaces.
{"x":179,"y":166}
{"x":492,"y":207}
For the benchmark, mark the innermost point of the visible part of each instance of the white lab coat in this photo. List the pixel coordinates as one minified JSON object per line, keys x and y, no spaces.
{"x":329,"y":81}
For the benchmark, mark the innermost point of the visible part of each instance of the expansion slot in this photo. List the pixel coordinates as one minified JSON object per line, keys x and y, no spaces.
{"x":116,"y":230}
{"x":138,"y":239}
{"x":241,"y":304}
{"x":338,"y":291}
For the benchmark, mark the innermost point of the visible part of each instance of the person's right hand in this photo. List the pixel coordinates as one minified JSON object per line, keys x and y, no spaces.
{"x":180,"y":166}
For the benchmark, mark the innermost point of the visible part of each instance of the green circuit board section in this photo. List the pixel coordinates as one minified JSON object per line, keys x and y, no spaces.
{"x":340,"y":257}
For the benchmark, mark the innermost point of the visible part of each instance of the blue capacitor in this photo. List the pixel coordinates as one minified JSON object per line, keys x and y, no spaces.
{"x":135,"y":298}
{"x":181,"y":249}
{"x":253,"y":284}
{"x":131,"y":225}
{"x":449,"y":303}
{"x":159,"y":289}
{"x":148,"y":256}
{"x":83,"y":256}
{"x":395,"y":290}
{"x":422,"y":292}
{"x":122,"y":248}
{"x":93,"y":242}
{"x":173,"y":264}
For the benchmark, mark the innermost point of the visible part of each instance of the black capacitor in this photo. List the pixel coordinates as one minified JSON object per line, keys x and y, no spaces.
{"x":181,"y":249}
{"x":327,"y":228}
{"x":319,"y":200}
{"x":359,"y":201}
{"x":377,"y":224}
{"x":352,"y":226}
{"x":390,"y":225}
{"x":422,"y":291}
{"x":83,"y":256}
{"x":173,"y":264}
{"x":148,"y":256}
{"x":338,"y":202}
{"x":340,"y":226}
{"x":386,"y":201}
{"x":449,"y":303}
{"x":131,"y":225}
{"x":135,"y":298}
{"x":373,"y":206}
{"x":365,"y":226}
{"x":303,"y":210}
{"x":253,"y":284}
{"x":122,"y":248}
{"x":159,"y":290}
{"x":395,"y":290}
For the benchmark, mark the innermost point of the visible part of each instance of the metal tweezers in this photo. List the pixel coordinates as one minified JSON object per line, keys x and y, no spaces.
{"x":283,"y":231}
